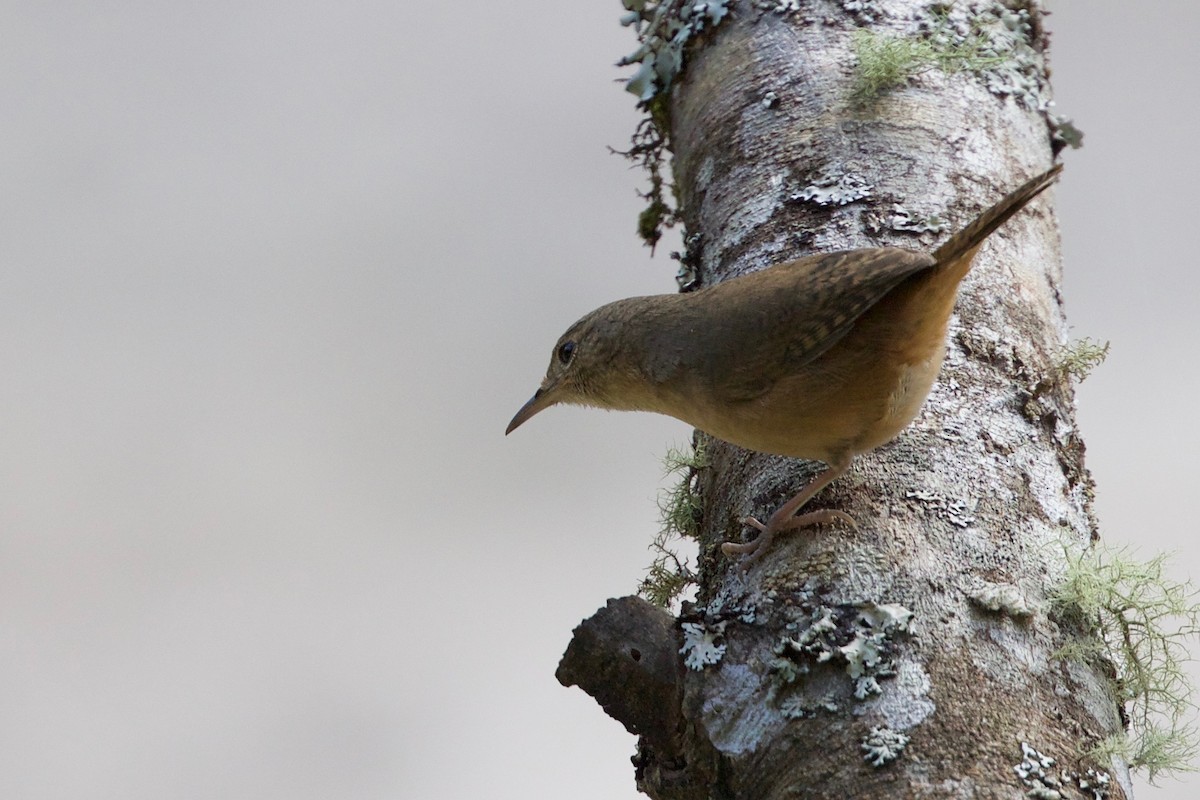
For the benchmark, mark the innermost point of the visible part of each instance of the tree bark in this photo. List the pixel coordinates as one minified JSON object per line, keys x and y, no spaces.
{"x":916,"y":655}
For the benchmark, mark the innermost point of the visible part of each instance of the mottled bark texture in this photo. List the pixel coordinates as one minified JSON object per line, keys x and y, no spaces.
{"x":916,"y":655}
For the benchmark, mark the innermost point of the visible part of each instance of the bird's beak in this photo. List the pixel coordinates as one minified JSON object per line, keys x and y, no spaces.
{"x":541,"y":399}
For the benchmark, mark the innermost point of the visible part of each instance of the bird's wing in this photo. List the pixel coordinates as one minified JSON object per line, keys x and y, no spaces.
{"x":790,"y":314}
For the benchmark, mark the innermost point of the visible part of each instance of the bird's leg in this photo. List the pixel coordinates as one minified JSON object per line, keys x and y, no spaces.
{"x":785,"y":518}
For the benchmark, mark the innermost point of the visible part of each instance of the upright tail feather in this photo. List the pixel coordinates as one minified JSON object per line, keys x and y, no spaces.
{"x":969,"y":238}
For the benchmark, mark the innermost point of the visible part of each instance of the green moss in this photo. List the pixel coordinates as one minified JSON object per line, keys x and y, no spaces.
{"x":648,"y":149}
{"x":670,"y":574}
{"x":888,"y":62}
{"x":885,"y":63}
{"x":658,"y":215}
{"x":1079,"y":358}
{"x":1145,"y":621}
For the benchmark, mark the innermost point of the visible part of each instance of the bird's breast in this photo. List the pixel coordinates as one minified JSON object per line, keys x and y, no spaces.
{"x":831,"y":410}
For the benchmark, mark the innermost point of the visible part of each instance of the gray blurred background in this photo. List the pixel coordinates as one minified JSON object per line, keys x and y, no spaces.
{"x":274,"y":277}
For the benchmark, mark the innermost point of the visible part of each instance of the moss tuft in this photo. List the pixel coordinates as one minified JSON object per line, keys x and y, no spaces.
{"x":885,"y":63}
{"x":1079,"y":358}
{"x":888,"y":62}
{"x":670,"y":574}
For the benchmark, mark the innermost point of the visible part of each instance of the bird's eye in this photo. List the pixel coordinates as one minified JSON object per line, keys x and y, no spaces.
{"x":565,"y":351}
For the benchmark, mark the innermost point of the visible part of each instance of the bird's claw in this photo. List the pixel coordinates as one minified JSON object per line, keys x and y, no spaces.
{"x":754,"y":549}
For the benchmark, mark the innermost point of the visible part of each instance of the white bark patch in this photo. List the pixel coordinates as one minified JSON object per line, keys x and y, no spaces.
{"x":1080,"y":686}
{"x":1026,"y":653}
{"x":744,"y":220}
{"x":738,"y":721}
{"x":906,"y":703}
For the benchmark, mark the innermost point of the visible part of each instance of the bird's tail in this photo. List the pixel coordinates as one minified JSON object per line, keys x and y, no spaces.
{"x":959,"y":248}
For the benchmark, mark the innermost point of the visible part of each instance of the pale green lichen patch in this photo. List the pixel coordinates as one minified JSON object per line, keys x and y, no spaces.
{"x":864,"y":11}
{"x":1045,"y":780}
{"x":672,"y":572}
{"x":1063,"y":132}
{"x":795,"y":706}
{"x":882,"y":746}
{"x":836,"y":188}
{"x":902,"y":220}
{"x":994,"y":42}
{"x":861,"y":638}
{"x":1036,"y":771}
{"x":702,"y":644}
{"x":781,"y":6}
{"x":687,"y":277}
{"x":957,"y":511}
{"x":1001,"y":598}
{"x":1094,"y":784}
{"x":664,"y":30}
{"x":1145,"y":622}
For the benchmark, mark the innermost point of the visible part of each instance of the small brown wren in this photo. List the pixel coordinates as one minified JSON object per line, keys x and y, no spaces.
{"x":822,"y":358}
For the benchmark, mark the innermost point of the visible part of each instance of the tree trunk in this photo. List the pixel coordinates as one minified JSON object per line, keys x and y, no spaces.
{"x":916,"y":655}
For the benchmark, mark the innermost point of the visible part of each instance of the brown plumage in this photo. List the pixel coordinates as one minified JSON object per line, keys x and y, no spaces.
{"x":822,"y":358}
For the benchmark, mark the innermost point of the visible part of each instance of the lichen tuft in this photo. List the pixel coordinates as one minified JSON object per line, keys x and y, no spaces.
{"x":1145,"y":621}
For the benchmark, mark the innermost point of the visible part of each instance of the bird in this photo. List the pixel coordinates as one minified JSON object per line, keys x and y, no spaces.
{"x":821,"y":358}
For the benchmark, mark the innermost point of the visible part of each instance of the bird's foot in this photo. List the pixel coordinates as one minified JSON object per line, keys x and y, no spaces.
{"x":754,"y":550}
{"x":785,"y":517}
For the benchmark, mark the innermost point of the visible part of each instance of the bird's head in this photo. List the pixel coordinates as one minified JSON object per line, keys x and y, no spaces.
{"x":595,"y":363}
